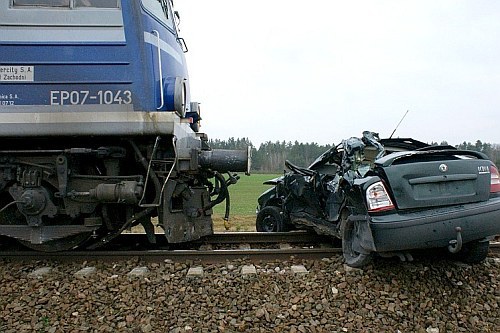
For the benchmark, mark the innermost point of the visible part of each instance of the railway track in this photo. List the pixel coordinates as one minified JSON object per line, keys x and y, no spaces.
{"x":215,"y":248}
{"x":220,"y":247}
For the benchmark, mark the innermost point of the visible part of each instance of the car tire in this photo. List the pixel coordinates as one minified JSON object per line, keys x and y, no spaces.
{"x":474,"y":252}
{"x":269,"y":219}
{"x":351,"y":257}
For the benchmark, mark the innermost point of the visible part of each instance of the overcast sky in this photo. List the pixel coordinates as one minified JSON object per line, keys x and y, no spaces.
{"x":320,"y":71}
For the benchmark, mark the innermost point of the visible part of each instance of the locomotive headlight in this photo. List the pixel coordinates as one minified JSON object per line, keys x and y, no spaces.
{"x":377,"y":198}
{"x":176,"y":95}
{"x":180,"y":97}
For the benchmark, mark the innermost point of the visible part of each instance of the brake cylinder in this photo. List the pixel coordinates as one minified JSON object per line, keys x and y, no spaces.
{"x":128,"y":192}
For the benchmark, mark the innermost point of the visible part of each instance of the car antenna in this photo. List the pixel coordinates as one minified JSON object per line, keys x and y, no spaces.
{"x":399,"y":124}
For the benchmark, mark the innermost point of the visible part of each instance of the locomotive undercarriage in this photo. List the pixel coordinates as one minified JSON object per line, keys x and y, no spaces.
{"x":61,"y":193}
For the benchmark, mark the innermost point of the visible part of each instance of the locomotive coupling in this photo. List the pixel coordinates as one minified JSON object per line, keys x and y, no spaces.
{"x":224,"y":160}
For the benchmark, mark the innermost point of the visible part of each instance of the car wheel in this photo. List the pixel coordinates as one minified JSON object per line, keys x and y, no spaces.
{"x":350,"y":244}
{"x":269,"y":219}
{"x":474,"y":252}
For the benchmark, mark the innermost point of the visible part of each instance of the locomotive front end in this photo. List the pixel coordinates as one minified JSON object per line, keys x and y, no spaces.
{"x":96,"y":126}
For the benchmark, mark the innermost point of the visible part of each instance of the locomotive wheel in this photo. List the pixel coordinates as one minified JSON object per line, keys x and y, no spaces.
{"x":12,"y":216}
{"x":352,"y":257}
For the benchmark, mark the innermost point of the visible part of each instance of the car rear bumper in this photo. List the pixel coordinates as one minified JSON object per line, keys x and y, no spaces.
{"x":432,"y":228}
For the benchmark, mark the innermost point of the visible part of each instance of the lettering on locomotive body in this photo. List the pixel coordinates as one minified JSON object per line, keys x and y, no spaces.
{"x":8,"y":99}
{"x":80,"y":97}
{"x":17,"y":73}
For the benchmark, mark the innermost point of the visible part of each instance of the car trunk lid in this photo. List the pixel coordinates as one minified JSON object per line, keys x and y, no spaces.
{"x":436,"y":178}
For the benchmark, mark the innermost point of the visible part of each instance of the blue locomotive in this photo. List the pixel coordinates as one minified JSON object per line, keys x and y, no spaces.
{"x":98,"y":131}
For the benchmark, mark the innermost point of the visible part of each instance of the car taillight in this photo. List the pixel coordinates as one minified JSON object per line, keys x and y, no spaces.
{"x":495,"y":179}
{"x":377,"y":198}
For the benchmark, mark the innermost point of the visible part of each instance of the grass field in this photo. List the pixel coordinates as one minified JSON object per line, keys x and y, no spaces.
{"x":243,"y":203}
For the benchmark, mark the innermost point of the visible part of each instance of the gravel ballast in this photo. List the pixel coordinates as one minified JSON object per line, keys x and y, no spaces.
{"x":388,"y":296}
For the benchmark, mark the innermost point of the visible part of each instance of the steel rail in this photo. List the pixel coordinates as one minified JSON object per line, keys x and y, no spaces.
{"x":268,"y":237}
{"x":238,"y":238}
{"x":210,"y":256}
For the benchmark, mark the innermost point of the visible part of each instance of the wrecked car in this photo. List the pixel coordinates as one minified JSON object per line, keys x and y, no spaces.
{"x":389,"y":196}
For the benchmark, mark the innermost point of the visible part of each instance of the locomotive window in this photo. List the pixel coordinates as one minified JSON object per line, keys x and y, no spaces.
{"x":42,"y":3}
{"x":160,"y":10}
{"x":97,"y":3}
{"x":61,"y":21}
{"x":68,"y":3}
{"x":164,"y":6}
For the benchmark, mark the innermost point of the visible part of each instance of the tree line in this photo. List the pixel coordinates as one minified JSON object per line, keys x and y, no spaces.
{"x":270,"y":157}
